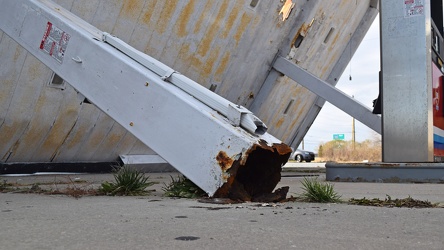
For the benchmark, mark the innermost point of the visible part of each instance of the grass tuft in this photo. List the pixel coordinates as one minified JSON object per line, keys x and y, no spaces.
{"x":183,"y":188}
{"x":315,"y":191}
{"x":128,"y":182}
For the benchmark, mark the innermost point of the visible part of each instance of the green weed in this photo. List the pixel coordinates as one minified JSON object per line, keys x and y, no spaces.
{"x":127,"y":182}
{"x":315,"y":191}
{"x":183,"y":188}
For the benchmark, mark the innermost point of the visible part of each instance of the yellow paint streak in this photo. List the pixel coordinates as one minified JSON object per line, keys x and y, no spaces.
{"x":185,"y":18}
{"x":146,"y":18}
{"x":202,"y":17}
{"x":213,"y":29}
{"x":165,"y":15}
{"x":230,"y":21}
{"x":131,"y":8}
{"x":245,"y":20}
{"x":222,"y":67}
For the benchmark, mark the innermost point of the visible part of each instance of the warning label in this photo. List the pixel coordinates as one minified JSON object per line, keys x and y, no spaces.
{"x":54,"y":42}
{"x":413,"y":8}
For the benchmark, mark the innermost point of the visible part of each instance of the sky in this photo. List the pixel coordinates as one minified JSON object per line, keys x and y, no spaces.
{"x":364,"y":86}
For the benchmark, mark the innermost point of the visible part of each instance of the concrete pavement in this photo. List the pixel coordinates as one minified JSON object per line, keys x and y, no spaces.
{"x":36,"y":221}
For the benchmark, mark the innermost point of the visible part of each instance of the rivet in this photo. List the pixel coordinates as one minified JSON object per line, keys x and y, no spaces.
{"x":131,"y":124}
{"x":147,"y":83}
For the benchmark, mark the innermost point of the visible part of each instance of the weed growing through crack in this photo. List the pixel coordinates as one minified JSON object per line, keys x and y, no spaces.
{"x":5,"y":186}
{"x":315,"y":191}
{"x":183,"y":188}
{"x":127,"y":182}
{"x":389,"y":202}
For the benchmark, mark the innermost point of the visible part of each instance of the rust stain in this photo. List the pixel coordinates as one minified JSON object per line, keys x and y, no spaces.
{"x":209,"y":64}
{"x":184,"y":18}
{"x":222,"y":66}
{"x":183,"y":55}
{"x":198,"y":24}
{"x":335,"y":40}
{"x":303,"y":31}
{"x":146,"y":18}
{"x":230,"y":21}
{"x":34,"y":71}
{"x":280,"y":122}
{"x":131,"y":8}
{"x":286,"y":9}
{"x":8,"y":131}
{"x":196,"y":63}
{"x":213,"y":29}
{"x":165,"y":16}
{"x":17,"y":53}
{"x":59,"y":130}
{"x":245,"y":20}
{"x":224,"y":161}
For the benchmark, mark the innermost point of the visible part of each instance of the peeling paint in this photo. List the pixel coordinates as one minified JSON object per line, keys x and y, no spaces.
{"x":286,"y":9}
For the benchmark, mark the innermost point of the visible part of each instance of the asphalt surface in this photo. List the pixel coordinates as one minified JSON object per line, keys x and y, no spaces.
{"x":38,"y":221}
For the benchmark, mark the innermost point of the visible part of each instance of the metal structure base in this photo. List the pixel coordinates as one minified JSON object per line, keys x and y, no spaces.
{"x":385,"y":172}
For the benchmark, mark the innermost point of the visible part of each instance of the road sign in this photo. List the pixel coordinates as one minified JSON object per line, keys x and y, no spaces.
{"x":340,"y":137}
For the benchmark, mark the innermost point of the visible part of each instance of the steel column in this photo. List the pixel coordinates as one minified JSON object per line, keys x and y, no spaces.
{"x":406,"y":81}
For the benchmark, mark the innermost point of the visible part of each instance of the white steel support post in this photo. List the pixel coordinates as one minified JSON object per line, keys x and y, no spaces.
{"x":406,"y":81}
{"x":220,"y":146}
{"x":329,"y":93}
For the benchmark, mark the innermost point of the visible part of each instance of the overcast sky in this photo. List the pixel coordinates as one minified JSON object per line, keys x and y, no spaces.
{"x":364,"y":69}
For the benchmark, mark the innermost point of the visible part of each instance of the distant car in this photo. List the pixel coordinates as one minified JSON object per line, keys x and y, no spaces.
{"x":302,"y":155}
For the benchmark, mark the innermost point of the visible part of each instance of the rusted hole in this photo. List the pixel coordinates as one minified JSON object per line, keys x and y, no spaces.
{"x":258,"y":175}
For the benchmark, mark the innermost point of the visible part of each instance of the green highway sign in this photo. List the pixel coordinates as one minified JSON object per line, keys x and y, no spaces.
{"x":340,"y":137}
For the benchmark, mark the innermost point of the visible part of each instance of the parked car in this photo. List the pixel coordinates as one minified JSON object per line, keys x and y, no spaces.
{"x":302,"y":155}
